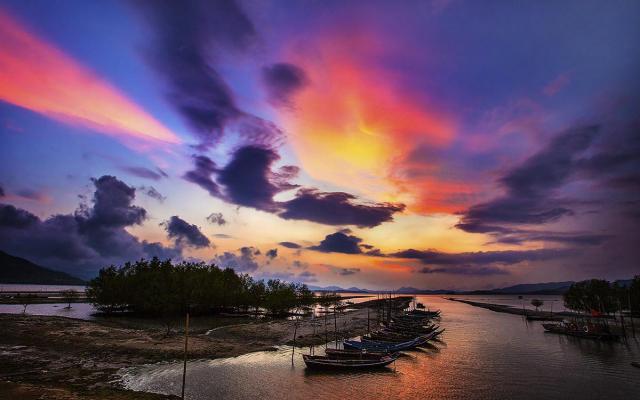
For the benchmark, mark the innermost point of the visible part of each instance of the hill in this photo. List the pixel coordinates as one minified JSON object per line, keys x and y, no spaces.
{"x":18,"y":270}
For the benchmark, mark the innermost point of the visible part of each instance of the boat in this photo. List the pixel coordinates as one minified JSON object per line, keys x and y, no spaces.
{"x":543,"y":317}
{"x":355,"y":354}
{"x":587,"y":331}
{"x":324,"y":362}
{"x":376,"y":345}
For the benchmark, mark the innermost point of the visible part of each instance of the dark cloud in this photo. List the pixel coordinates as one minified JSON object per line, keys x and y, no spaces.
{"x":12,"y":217}
{"x":282,"y":81}
{"x":152,"y":192}
{"x":146,"y":173}
{"x":347,"y":271}
{"x":216,"y":219}
{"x":337,"y":208}
{"x":92,"y":237}
{"x":290,"y":245}
{"x":465,"y":270}
{"x":339,"y":243}
{"x":249,"y":181}
{"x":243,"y":261}
{"x":2,"y":193}
{"x":187,"y":35}
{"x":201,"y":173}
{"x":222,"y":235}
{"x":529,"y":187}
{"x":273,"y":253}
{"x":507,"y":257}
{"x":574,"y":239}
{"x":184,"y":233}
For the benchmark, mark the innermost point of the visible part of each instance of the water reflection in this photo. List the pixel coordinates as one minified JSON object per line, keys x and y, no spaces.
{"x":483,"y":355}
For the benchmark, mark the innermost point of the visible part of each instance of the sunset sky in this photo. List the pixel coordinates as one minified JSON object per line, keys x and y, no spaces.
{"x":378,"y":144}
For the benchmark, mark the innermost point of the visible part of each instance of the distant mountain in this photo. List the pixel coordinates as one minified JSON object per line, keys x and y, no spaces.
{"x":412,"y":290}
{"x":536,"y":288}
{"x":18,"y":270}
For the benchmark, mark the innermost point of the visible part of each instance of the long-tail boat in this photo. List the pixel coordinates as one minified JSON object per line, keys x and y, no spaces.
{"x":324,"y":362}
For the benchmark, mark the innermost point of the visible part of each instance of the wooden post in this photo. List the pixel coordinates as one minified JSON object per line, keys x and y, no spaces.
{"x":633,"y":328}
{"x":368,"y":323}
{"x":335,"y":321}
{"x":186,"y":343}
{"x":295,"y":331}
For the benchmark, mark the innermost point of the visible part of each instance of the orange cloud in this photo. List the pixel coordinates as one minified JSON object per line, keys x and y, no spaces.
{"x":37,"y":76}
{"x":355,"y":120}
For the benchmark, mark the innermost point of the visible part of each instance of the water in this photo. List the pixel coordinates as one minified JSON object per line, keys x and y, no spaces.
{"x":78,"y":310}
{"x":16,"y":287}
{"x":483,"y":355}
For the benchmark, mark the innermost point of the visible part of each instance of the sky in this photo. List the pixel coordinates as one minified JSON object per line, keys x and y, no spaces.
{"x":441,"y":144}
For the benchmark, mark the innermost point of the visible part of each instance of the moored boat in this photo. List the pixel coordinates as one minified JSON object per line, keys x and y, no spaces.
{"x":585,"y":330}
{"x":324,"y":362}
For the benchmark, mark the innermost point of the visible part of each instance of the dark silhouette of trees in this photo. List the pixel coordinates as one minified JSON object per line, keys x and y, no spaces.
{"x":537,"y":303}
{"x":163,"y":290}
{"x":70,"y":296}
{"x":603,"y":297}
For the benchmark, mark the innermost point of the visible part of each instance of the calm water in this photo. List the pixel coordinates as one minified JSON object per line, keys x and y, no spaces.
{"x":483,"y":355}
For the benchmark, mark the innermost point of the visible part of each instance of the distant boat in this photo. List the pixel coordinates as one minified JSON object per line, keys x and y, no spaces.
{"x":587,"y":331}
{"x":324,"y":362}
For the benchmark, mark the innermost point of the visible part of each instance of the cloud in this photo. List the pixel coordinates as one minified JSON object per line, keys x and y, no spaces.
{"x":507,"y":257}
{"x":339,"y":243}
{"x":184,"y":233}
{"x":530,"y":187}
{"x":94,"y":236}
{"x":273,"y":253}
{"x":187,"y":37}
{"x":216,"y":219}
{"x":201,"y":174}
{"x":282,"y":81}
{"x":153,"y":193}
{"x":146,"y":173}
{"x":290,"y":245}
{"x":25,"y":59}
{"x":337,"y":208}
{"x":465,"y":270}
{"x":347,"y":271}
{"x":2,"y":193}
{"x":12,"y":217}
{"x":249,"y":181}
{"x":222,"y":235}
{"x":243,"y":261}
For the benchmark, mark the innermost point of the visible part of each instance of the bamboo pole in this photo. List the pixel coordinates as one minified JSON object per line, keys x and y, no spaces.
{"x":186,"y":344}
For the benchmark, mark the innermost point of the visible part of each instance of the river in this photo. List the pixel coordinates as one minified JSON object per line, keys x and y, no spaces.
{"x":482,"y":355}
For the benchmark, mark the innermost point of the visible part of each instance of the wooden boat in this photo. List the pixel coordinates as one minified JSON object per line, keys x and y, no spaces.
{"x":355,"y":354}
{"x":422,"y":313}
{"x":374,"y":345}
{"x":587,"y":331}
{"x":324,"y":362}
{"x":543,"y":318}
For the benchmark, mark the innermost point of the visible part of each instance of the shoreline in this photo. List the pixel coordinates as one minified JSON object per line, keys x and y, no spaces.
{"x":76,"y":358}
